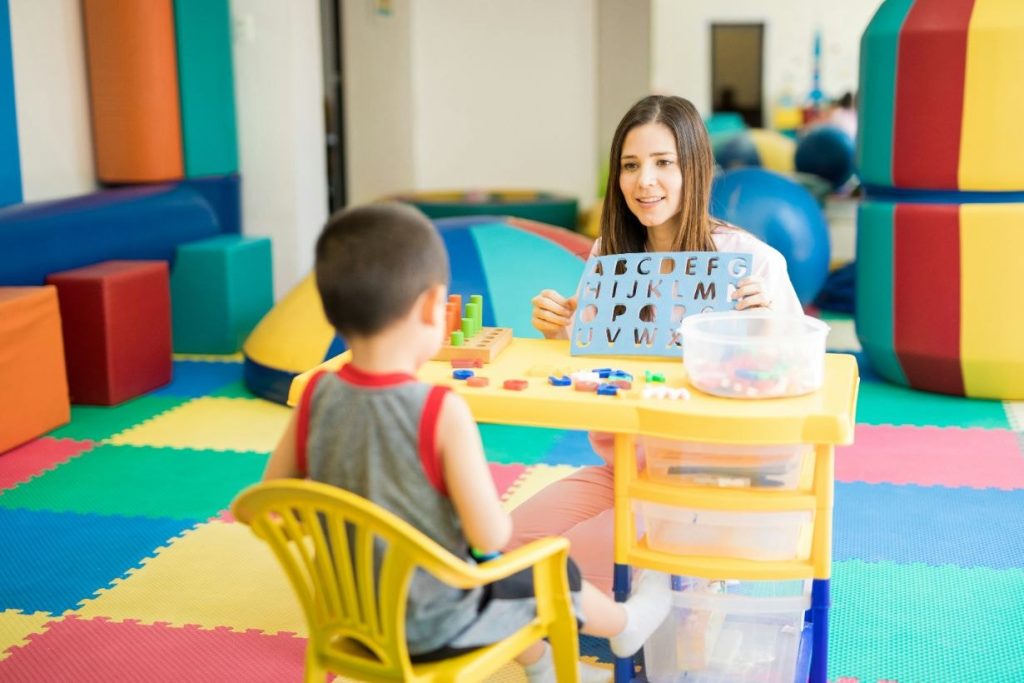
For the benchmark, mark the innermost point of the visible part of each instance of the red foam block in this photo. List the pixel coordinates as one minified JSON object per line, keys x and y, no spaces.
{"x":116,"y":320}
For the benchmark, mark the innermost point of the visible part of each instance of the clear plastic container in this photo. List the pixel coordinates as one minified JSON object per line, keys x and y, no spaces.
{"x":754,"y":354}
{"x":767,"y":536}
{"x":729,"y":632}
{"x":692,"y":463}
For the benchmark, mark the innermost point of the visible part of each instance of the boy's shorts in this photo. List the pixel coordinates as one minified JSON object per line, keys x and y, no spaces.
{"x":506,"y":606}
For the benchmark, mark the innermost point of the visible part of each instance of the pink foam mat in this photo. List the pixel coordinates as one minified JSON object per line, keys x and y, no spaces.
{"x":932,"y":456}
{"x":87,"y":650}
{"x":24,"y":462}
{"x":505,"y":475}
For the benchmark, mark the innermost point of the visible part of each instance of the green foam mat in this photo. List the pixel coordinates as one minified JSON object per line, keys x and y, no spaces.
{"x":233,"y":390}
{"x":95,"y":423}
{"x":922,"y":624}
{"x":512,"y":445}
{"x":882,"y":403}
{"x":141,"y":481}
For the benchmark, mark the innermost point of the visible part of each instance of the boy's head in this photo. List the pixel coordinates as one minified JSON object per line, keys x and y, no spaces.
{"x":373,"y":263}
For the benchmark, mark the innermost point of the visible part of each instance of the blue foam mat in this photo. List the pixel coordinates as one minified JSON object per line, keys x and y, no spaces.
{"x":193,"y":379}
{"x":54,"y":560}
{"x":932,"y":525}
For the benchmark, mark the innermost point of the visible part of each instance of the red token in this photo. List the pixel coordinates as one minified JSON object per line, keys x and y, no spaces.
{"x":515,"y":384}
{"x":467,"y":363}
{"x":477,"y":381}
{"x":585,"y":385}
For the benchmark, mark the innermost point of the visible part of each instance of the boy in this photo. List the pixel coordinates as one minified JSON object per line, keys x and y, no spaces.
{"x":414,"y":449}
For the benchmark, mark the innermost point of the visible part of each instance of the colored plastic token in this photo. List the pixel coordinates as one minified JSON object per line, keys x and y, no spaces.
{"x":467,"y":363}
{"x":462,"y":374}
{"x":477,"y":382}
{"x":562,"y":381}
{"x":607,"y":390}
{"x":515,"y":384}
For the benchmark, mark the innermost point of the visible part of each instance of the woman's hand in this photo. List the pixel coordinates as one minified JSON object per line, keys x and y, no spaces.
{"x":552,"y":314}
{"x":750,"y":293}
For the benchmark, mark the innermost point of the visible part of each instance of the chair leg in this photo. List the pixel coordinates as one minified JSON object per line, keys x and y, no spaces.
{"x":314,"y":672}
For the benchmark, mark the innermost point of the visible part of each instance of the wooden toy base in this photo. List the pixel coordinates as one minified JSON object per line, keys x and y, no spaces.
{"x":484,"y":346}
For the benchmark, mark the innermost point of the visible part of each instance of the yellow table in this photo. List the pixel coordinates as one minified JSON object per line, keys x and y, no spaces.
{"x":824,"y":419}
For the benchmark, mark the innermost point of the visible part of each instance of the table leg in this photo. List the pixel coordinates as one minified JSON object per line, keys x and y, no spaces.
{"x":821,"y":600}
{"x":621,"y":587}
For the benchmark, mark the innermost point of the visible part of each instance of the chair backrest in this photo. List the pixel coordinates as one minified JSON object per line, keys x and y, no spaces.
{"x":354,"y":599}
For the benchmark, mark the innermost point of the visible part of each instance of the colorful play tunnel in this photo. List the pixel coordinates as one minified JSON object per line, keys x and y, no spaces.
{"x":941,"y":233}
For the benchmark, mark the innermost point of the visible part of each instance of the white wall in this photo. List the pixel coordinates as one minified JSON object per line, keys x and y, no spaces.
{"x":505,"y":95}
{"x":681,"y":44}
{"x":379,"y":106}
{"x":51,"y":99}
{"x":279,"y":98}
{"x":623,"y":64}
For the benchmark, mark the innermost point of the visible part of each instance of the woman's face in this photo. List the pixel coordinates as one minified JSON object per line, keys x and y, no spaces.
{"x":649,"y":174}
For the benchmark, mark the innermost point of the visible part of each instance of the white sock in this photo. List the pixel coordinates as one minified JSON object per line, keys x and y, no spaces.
{"x":646,"y":608}
{"x":543,"y":670}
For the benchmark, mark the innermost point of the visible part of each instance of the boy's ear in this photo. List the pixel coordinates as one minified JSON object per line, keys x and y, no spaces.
{"x":429,"y":304}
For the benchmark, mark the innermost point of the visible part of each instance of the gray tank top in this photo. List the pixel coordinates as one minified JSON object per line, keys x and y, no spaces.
{"x":373,"y":435}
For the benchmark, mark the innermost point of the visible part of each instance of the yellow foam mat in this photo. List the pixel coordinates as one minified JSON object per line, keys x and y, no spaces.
{"x":532,"y":481}
{"x":214,"y":358}
{"x":842,"y":336}
{"x":15,"y":628}
{"x":239,"y":424}
{"x":1015,"y":412}
{"x":218,"y":574}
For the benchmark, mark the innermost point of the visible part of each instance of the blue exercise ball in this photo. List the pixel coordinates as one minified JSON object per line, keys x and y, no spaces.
{"x":781,"y":213}
{"x":826,"y":152}
{"x":735,"y":151}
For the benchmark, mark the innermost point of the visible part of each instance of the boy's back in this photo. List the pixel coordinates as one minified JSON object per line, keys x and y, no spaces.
{"x":373,"y":435}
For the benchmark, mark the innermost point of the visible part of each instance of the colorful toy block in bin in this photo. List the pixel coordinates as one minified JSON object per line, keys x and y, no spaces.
{"x":742,"y":631}
{"x":754,"y":354}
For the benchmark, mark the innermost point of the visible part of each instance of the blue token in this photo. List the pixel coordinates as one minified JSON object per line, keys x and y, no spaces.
{"x":607,"y":390}
{"x":562,"y":381}
{"x":620,"y":374}
{"x":462,"y":374}
{"x":602,"y":372}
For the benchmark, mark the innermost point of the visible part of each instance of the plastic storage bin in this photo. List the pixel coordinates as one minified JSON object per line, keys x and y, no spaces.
{"x":692,"y":463}
{"x":730,"y":632}
{"x":755,"y":354}
{"x":769,"y":536}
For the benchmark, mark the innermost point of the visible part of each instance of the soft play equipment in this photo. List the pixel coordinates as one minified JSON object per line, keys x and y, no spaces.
{"x":220,"y":289}
{"x":10,"y":159}
{"x":545,"y":207}
{"x":40,"y":238}
{"x":939,"y":239}
{"x":202,"y":35}
{"x":133,"y":90}
{"x":932,"y":308}
{"x":33,"y":383}
{"x":506,"y":260}
{"x":725,"y":122}
{"x":827,"y":152}
{"x":755,"y":147}
{"x":116,"y":322}
{"x":940,"y":106}
{"x":784,"y":215}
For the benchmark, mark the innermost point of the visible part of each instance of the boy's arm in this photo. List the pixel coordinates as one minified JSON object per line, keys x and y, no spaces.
{"x":282,"y":463}
{"x":486,"y":524}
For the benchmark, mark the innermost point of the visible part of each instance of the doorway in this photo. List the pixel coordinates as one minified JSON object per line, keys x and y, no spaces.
{"x":737,"y":70}
{"x":334,"y":104}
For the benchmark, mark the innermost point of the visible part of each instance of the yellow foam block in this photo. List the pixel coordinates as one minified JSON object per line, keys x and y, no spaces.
{"x":15,"y":628}
{"x":532,"y":481}
{"x":237,"y":424}
{"x":219,"y":574}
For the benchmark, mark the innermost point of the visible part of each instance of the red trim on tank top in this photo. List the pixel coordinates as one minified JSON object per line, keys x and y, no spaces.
{"x":302,"y":424}
{"x":428,"y":439}
{"x":361,"y":378}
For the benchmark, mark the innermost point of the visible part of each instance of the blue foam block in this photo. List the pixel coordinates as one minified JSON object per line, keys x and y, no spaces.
{"x":132,"y":223}
{"x":10,"y":160}
{"x":932,"y":525}
{"x":468,"y":275}
{"x":63,"y":558}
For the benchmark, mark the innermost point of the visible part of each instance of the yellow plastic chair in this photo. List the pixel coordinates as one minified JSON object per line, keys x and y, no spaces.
{"x":357,"y":628}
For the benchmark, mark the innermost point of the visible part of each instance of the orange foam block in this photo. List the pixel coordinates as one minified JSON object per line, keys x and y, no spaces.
{"x":33,"y":383}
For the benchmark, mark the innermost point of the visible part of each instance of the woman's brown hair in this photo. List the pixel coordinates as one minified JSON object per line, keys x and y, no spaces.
{"x":621,"y":232}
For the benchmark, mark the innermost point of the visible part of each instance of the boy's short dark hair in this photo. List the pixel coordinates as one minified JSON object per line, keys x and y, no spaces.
{"x":372,"y":262}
